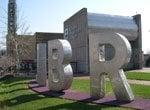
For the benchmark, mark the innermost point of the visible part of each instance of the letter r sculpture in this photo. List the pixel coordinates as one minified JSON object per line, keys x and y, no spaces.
{"x":101,"y":64}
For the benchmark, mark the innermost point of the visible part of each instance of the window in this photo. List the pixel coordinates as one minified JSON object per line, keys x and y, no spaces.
{"x":66,"y":33}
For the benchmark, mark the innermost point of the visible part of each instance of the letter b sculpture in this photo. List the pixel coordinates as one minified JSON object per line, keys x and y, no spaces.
{"x":60,"y":73}
{"x":109,"y":52}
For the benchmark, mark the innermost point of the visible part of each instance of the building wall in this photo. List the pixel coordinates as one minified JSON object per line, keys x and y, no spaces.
{"x":42,"y":37}
{"x":76,"y":32}
{"x":138,"y":53}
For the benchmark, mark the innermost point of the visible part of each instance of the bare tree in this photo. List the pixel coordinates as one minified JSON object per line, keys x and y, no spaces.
{"x":6,"y":65}
{"x":16,"y":43}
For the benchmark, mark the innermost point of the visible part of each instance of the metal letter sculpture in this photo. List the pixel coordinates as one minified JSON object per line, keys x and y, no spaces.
{"x":99,"y":66}
{"x":41,"y":64}
{"x":60,"y":74}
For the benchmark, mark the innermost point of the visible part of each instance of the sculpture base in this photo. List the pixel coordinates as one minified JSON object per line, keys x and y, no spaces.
{"x":138,"y":103}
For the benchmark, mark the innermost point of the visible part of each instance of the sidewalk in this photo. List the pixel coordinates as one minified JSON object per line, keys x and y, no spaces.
{"x":142,"y":82}
{"x":146,"y":70}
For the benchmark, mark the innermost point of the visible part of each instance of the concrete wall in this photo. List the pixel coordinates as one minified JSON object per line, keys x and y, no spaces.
{"x":138,"y":53}
{"x":42,"y":37}
{"x":76,"y":32}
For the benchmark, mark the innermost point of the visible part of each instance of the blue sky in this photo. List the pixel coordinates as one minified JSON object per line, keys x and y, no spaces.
{"x":49,"y":15}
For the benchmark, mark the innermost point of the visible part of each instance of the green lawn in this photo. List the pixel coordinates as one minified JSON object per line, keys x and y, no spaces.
{"x":15,"y":95}
{"x":85,"y":86}
{"x":138,"y":90}
{"x":138,"y":76}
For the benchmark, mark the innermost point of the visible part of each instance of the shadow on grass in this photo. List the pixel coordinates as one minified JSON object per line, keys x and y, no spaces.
{"x":2,"y":105}
{"x":11,"y":79}
{"x":17,"y":83}
{"x":15,"y":90}
{"x":22,"y":99}
{"x":75,"y":106}
{"x":6,"y":77}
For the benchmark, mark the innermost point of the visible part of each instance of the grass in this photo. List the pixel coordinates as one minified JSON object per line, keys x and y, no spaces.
{"x":85,"y":86}
{"x":15,"y":95}
{"x":138,"y":90}
{"x":138,"y":76}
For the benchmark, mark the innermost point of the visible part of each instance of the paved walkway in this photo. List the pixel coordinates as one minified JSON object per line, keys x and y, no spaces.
{"x":146,"y":70}
{"x":142,"y":82}
{"x":139,"y":82}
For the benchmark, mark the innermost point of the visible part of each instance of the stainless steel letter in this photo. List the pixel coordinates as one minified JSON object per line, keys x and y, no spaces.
{"x":60,"y":73}
{"x":100,"y":65}
{"x":41,"y":64}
